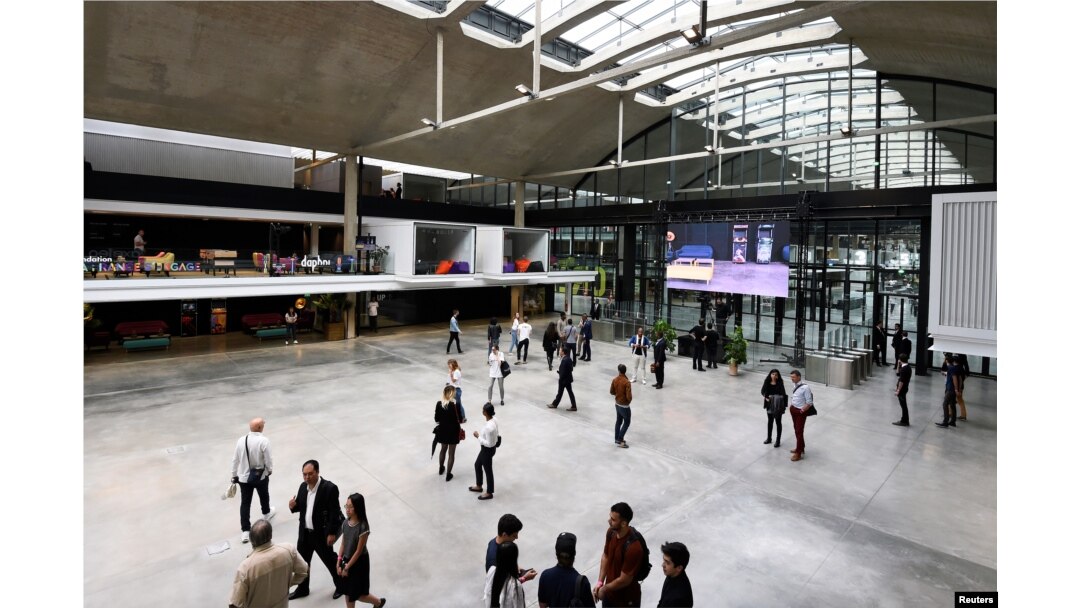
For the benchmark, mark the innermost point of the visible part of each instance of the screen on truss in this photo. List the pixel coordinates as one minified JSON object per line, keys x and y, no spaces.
{"x":749,"y":257}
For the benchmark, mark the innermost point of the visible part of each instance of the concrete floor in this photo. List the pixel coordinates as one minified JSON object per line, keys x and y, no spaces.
{"x":876,"y":515}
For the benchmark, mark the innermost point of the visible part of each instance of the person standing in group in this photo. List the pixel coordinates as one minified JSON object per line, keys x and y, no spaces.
{"x":551,"y":343}
{"x":620,"y":387}
{"x":354,"y":563}
{"x":594,"y":312}
{"x":566,"y":381}
{"x":712,"y":340}
{"x":802,"y":399}
{"x":905,"y":346}
{"x":677,"y":592}
{"x":952,"y":385}
{"x":571,"y":339}
{"x":495,"y":362}
{"x":373,"y":314}
{"x":454,"y":380}
{"x":290,"y":326}
{"x":879,"y":342}
{"x":561,"y":326}
{"x":624,"y":549}
{"x":448,"y":432}
{"x":455,"y":333}
{"x":494,"y":332}
{"x":561,"y":584}
{"x":397,"y":191}
{"x":502,"y":587}
{"x":264,"y":577}
{"x":897,"y":338}
{"x":903,"y":379}
{"x":964,"y":370}
{"x":586,"y":338}
{"x":320,"y":523}
{"x":524,"y":332}
{"x":639,"y":350}
{"x":723,"y":311}
{"x":140,"y":244}
{"x":659,"y":358}
{"x":514,"y":333}
{"x":489,"y":441}
{"x":252,"y":464}
{"x":509,"y":528}
{"x":772,"y":388}
{"x":698,"y":334}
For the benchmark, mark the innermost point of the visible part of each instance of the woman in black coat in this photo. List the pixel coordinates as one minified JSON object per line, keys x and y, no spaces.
{"x":551,"y":342}
{"x":448,"y":432}
{"x":774,"y":385}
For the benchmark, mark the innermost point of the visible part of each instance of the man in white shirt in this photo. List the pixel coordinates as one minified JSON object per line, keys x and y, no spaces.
{"x":801,"y":401}
{"x":140,"y":244}
{"x":524,"y":331}
{"x":252,"y":464}
{"x":373,"y":314}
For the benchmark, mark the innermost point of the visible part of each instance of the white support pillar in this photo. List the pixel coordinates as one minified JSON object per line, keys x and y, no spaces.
{"x":517,"y":292}
{"x":536,"y":51}
{"x":352,"y":191}
{"x":438,"y":75}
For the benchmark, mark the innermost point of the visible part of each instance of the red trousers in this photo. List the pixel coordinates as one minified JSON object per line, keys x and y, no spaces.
{"x":798,"y":419}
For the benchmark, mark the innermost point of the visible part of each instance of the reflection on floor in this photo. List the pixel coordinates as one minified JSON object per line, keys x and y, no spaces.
{"x":875,"y":514}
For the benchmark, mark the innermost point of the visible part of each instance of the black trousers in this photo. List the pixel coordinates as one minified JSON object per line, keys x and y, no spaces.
{"x":573,"y":351}
{"x":779,"y":425}
{"x":879,"y":354}
{"x":586,"y":349}
{"x":660,"y":373}
{"x":523,"y":345}
{"x":569,"y":389}
{"x":948,"y":406}
{"x":312,"y":542}
{"x":712,"y":355}
{"x":483,"y":464}
{"x":373,"y":322}
{"x":453,"y":339}
{"x":902,"y":398}
{"x":699,"y":350}
{"x":246,"y":490}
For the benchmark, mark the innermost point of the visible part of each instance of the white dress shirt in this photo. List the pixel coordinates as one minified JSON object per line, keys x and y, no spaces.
{"x":258,"y":445}
{"x":308,"y":523}
{"x":490,"y":433}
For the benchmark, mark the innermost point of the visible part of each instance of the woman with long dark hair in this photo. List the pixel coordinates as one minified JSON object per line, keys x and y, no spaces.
{"x":449,"y":431}
{"x":489,"y":440}
{"x":551,"y":342}
{"x":502,"y":588}
{"x":774,"y":386}
{"x":354,"y":565}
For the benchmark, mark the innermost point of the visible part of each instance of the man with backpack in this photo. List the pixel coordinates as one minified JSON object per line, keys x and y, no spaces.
{"x":562,"y":586}
{"x":625,"y":562}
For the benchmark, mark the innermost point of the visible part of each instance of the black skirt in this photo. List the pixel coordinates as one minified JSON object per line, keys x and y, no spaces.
{"x":356,"y":584}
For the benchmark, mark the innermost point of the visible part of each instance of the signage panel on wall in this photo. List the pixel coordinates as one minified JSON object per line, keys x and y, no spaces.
{"x":748,"y":257}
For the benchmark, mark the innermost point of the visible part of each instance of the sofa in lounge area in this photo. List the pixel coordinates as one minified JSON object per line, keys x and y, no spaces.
{"x":127,"y":330}
{"x":254,"y":321}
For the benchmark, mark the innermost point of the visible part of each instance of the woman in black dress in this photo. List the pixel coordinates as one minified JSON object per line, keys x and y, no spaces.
{"x":551,"y":342}
{"x":774,"y":385}
{"x":354,"y":565}
{"x":449,"y":430}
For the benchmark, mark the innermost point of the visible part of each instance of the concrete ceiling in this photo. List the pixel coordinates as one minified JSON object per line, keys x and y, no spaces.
{"x":340,"y":76}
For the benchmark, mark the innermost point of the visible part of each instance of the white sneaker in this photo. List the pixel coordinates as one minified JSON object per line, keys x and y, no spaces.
{"x":270,"y":515}
{"x":295,"y":341}
{"x":286,"y":342}
{"x":244,"y":538}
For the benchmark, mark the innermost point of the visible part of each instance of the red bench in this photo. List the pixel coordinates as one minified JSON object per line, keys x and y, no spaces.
{"x":127,"y":329}
{"x":254,"y":321}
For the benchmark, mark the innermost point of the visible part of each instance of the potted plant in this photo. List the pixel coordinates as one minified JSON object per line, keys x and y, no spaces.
{"x":735,"y":351}
{"x":664,"y":329}
{"x":378,"y":256}
{"x":333,"y":307}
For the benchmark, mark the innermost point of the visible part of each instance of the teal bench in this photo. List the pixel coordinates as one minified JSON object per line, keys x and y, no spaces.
{"x":270,"y":332}
{"x":144,"y":343}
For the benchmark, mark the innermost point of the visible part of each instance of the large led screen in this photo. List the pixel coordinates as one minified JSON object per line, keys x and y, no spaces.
{"x":729,"y":257}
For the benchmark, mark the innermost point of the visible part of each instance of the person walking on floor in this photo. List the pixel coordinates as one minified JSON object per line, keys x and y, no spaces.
{"x":879,"y":342}
{"x":354,"y":562}
{"x":712,"y":340}
{"x":698,"y":333}
{"x":903,"y":379}
{"x":952,"y":385}
{"x":639,"y":350}
{"x":489,"y":441}
{"x":659,"y":358}
{"x":775,"y":403}
{"x":453,"y":379}
{"x":495,"y":363}
{"x":494,"y":332}
{"x":320,"y":522}
{"x":586,"y":338}
{"x":514,"y":337}
{"x":561,"y":326}
{"x":551,"y":343}
{"x":566,"y":381}
{"x":620,"y":387}
{"x":801,"y":402}
{"x":524,"y":332}
{"x":290,"y":326}
{"x":571,"y":339}
{"x":252,"y":464}
{"x":373,"y":314}
{"x":448,"y":433}
{"x":455,"y":333}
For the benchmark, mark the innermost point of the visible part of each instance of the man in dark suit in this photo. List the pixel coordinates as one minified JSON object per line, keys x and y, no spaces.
{"x":320,"y":521}
{"x":698,"y":334}
{"x":586,"y":338}
{"x":903,"y":379}
{"x":897,"y":337}
{"x":566,"y":380}
{"x":879,"y":342}
{"x":905,"y":347}
{"x":659,"y":357}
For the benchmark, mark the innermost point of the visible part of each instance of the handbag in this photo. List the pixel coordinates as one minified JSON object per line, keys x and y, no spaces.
{"x":253,"y":475}
{"x":504,"y":367}
{"x":812,"y":411}
{"x":652,"y":367}
{"x":460,"y":431}
{"x":777,"y":404}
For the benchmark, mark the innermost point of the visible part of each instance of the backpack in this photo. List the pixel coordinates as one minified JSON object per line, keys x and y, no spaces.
{"x":581,"y":590}
{"x":644,"y":567}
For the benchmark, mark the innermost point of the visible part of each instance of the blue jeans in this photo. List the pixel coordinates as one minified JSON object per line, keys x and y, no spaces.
{"x":513,"y":339}
{"x":460,"y":407}
{"x":622,"y":422}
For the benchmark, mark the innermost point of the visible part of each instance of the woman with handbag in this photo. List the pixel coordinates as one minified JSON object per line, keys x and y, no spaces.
{"x":449,"y":432}
{"x":774,"y":408}
{"x":496,"y":360}
{"x":551,"y":342}
{"x":454,"y":379}
{"x":489,"y":440}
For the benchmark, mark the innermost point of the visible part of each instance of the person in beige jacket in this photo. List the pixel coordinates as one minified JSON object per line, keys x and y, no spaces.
{"x":264,"y":577}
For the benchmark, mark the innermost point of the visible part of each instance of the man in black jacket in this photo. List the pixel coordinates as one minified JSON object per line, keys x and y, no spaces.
{"x":698,"y":334}
{"x":659,"y":357}
{"x":897,"y":337}
{"x":903,"y":379}
{"x":566,"y":380}
{"x":879,"y":342}
{"x":320,"y":522}
{"x":905,"y":346}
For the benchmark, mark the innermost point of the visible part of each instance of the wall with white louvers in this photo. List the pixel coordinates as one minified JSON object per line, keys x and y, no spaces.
{"x":122,"y":154}
{"x":963,"y":273}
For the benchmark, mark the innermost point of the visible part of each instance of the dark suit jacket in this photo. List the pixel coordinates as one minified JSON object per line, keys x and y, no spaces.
{"x":326,"y":516}
{"x":586,"y":330}
{"x":660,"y":351}
{"x":880,"y":339}
{"x":905,"y":347}
{"x":566,"y":370}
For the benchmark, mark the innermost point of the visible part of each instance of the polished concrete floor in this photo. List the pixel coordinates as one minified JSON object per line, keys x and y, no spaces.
{"x":876,"y":515}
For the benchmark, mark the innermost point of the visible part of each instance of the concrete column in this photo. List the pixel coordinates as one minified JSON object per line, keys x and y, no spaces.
{"x":352,"y":191}
{"x":517,"y":292}
{"x":314,"y":241}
